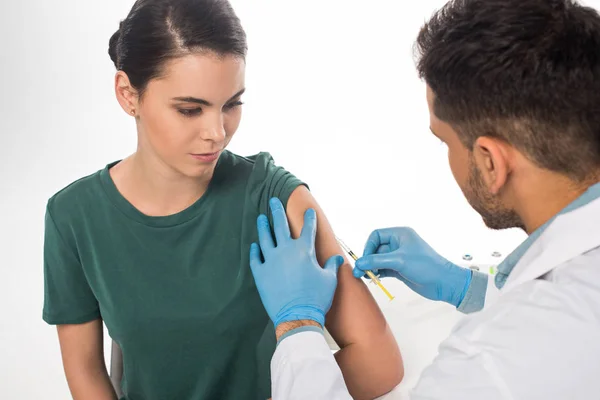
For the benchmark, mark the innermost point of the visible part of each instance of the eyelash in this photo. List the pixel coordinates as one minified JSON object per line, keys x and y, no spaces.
{"x":195,"y":111}
{"x":234,"y":104}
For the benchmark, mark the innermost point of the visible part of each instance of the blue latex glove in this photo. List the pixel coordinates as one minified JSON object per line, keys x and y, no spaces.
{"x":290,"y":281}
{"x":401,"y":253}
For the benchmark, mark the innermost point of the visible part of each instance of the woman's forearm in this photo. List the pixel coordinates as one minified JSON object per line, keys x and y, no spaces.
{"x":371,"y":369}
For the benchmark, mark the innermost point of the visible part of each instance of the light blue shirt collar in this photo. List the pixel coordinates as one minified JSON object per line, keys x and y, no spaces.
{"x":506,"y":267}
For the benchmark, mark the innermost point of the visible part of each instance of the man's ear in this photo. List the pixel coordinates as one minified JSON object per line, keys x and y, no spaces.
{"x":492,"y":158}
{"x":127,"y":96}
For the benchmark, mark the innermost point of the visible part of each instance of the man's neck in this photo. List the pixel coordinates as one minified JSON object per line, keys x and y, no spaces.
{"x":543,"y":198}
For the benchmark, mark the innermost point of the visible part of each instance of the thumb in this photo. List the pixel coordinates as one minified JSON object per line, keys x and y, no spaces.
{"x":255,"y":261}
{"x":333,"y":264}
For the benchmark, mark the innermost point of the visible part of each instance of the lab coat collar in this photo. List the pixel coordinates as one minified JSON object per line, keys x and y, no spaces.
{"x":573,"y":231}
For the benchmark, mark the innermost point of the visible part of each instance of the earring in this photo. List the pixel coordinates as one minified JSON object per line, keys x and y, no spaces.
{"x":132,"y":112}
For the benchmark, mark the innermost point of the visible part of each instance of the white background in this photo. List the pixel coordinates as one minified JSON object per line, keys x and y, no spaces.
{"x":332,"y":93}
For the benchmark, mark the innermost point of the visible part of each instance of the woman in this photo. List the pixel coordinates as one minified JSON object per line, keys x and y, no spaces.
{"x":156,"y":245}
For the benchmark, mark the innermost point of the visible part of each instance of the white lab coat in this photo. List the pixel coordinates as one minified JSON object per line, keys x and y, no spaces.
{"x":538,"y":338}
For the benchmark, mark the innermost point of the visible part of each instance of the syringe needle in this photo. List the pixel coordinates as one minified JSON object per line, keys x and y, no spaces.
{"x":370,"y":274}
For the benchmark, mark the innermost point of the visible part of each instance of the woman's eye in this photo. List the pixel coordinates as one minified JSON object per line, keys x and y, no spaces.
{"x":233,"y":105}
{"x":190,"y":112}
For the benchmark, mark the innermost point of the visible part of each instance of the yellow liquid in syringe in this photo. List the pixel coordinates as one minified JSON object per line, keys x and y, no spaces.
{"x":370,"y":274}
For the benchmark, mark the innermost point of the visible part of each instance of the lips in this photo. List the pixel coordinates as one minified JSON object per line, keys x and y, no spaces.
{"x":206,"y":157}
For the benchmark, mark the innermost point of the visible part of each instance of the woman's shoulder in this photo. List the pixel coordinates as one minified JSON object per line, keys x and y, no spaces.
{"x":258,"y":176}
{"x":232,"y":159}
{"x":82,"y":191}
{"x":243,"y":168}
{"x":251,"y":172}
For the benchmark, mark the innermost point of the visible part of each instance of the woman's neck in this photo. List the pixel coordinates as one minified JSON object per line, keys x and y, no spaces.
{"x":155,"y":188}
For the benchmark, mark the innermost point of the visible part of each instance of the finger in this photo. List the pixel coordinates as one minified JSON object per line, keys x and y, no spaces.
{"x":376,"y":262}
{"x":255,"y":258}
{"x":264,"y":233}
{"x":384,"y":248}
{"x":372,"y":244}
{"x":377,"y":238}
{"x":411,"y":285}
{"x":280,"y":222}
{"x":380,"y":273}
{"x":309,"y":229}
{"x":333,"y":264}
{"x":358,"y":273}
{"x":387,"y":273}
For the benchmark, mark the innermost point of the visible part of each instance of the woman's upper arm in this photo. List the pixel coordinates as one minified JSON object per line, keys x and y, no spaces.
{"x":68,"y":297}
{"x":82,"y":350}
{"x":354,"y":315}
{"x":81,"y":343}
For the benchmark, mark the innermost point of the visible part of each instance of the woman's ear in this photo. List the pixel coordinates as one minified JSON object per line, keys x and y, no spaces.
{"x":127,"y":96}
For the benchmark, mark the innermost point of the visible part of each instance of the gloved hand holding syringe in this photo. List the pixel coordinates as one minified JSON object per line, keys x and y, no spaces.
{"x":370,"y":274}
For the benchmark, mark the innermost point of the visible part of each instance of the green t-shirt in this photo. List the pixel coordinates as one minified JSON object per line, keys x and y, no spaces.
{"x":175,"y":292}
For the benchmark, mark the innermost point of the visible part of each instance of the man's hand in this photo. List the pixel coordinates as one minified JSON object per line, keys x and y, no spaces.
{"x":290,"y":281}
{"x":402,"y":254}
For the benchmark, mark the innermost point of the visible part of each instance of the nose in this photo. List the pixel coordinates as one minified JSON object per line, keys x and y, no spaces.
{"x":213,"y":129}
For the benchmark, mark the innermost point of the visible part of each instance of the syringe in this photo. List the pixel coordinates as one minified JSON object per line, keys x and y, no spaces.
{"x":370,"y":274}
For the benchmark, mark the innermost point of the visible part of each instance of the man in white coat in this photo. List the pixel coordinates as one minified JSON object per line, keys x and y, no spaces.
{"x":513,"y":88}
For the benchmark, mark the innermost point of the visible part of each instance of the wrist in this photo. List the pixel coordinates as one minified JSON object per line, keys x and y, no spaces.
{"x":288,"y":326}
{"x":300,"y":313}
{"x":461,"y":291}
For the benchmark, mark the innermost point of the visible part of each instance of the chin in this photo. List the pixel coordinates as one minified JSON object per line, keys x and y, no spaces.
{"x":205,"y":172}
{"x":505,"y":219}
{"x":197,"y":171}
{"x":494,"y":214}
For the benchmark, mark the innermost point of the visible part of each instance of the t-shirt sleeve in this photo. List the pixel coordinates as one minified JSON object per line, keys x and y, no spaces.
{"x":270,"y":180}
{"x":68,"y":298}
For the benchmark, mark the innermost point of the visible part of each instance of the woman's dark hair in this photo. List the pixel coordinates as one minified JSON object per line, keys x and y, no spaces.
{"x":156,"y":31}
{"x":525,"y":71}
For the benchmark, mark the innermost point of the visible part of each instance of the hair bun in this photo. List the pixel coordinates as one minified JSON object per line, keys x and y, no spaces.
{"x":113,"y":48}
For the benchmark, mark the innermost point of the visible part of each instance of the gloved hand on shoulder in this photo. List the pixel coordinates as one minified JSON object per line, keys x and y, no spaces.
{"x":290,"y":281}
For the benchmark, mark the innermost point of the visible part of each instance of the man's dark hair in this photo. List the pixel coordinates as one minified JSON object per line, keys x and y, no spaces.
{"x":524,"y":71}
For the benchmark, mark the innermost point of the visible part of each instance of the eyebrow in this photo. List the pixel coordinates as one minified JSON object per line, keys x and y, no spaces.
{"x":205,"y":102}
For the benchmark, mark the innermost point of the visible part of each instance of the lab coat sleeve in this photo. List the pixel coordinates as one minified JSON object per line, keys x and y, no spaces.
{"x":303,"y":367}
{"x":476,"y":294}
{"x":460,"y":372}
{"x":537,"y":342}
